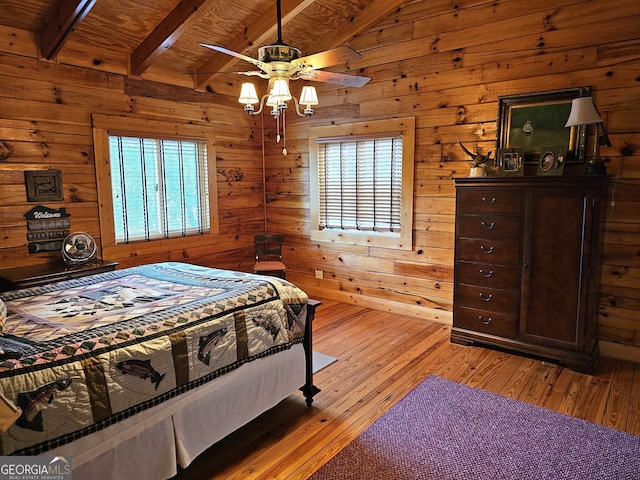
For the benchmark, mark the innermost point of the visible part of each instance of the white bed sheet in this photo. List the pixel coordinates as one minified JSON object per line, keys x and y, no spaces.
{"x":151,"y":444}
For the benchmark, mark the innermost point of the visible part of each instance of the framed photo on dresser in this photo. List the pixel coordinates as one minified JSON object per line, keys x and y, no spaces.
{"x":510,"y":162}
{"x":551,"y":161}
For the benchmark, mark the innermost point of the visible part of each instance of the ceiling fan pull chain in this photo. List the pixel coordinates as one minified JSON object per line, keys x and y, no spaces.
{"x":284,"y":131}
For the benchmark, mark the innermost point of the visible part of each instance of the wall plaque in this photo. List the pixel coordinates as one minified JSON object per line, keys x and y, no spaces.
{"x":44,"y":185}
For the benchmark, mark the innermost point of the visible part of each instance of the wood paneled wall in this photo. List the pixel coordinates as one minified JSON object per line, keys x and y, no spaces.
{"x":45,"y":122}
{"x":441,"y":61}
{"x":446,"y":63}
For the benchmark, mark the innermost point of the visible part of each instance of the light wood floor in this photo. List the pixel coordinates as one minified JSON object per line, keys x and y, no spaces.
{"x":381,"y":357}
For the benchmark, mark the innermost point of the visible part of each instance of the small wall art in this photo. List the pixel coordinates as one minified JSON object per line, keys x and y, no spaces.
{"x":44,"y":185}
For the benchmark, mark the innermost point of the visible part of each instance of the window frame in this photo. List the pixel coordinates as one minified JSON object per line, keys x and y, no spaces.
{"x":402,"y":240}
{"x":107,"y":125}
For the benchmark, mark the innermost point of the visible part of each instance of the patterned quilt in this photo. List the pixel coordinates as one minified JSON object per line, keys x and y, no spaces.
{"x":77,"y":356}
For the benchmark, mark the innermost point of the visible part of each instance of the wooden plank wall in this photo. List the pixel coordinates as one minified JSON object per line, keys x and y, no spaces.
{"x":446,"y":63}
{"x":45,"y":122}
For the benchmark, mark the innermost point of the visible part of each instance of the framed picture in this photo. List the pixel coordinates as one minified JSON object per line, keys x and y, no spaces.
{"x":551,"y":161}
{"x":509,"y":162}
{"x":44,"y":185}
{"x":533,"y":121}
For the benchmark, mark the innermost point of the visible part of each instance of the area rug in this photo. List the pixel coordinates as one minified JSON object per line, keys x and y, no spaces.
{"x":320,"y":360}
{"x":443,"y":430}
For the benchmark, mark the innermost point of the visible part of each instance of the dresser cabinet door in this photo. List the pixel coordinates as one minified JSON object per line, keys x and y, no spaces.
{"x":556,"y":267}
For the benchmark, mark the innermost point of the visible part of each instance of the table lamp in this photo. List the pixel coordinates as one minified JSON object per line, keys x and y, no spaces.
{"x":583,"y":112}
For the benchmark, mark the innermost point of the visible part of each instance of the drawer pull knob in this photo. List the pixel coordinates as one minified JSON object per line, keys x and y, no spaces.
{"x":487,"y":250}
{"x":487,"y":275}
{"x":491,"y":226}
{"x":487,"y":321}
{"x":489,"y":202}
{"x":488,"y":298}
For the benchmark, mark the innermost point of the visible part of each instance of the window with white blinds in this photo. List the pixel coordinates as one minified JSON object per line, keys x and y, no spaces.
{"x":159,"y":188}
{"x":360,"y":184}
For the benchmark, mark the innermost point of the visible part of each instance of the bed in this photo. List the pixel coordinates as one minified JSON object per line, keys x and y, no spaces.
{"x":136,"y":371}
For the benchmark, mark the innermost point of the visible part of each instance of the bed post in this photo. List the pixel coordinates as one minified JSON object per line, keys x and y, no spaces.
{"x":309,"y":389}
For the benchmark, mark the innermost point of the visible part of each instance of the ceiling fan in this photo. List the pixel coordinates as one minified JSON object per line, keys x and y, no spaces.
{"x":280,"y":60}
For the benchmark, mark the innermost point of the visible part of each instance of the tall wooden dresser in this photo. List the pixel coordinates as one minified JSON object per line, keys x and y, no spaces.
{"x":526,"y":265}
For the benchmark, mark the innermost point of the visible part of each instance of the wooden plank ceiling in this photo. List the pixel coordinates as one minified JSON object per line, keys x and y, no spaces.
{"x":159,"y":40}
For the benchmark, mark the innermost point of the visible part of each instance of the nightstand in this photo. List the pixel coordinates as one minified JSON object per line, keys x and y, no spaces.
{"x":35,"y":275}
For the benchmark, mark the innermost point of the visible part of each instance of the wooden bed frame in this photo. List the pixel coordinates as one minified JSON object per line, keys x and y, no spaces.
{"x":309,"y":389}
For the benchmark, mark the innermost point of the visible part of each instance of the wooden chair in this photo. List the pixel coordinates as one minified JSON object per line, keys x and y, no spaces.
{"x":269,"y":255}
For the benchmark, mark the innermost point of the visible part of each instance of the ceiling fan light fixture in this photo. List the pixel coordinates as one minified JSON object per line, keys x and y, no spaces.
{"x":276,"y":105}
{"x":280,"y":63}
{"x":279,"y":89}
{"x":309,"y":96}
{"x":248,"y":96}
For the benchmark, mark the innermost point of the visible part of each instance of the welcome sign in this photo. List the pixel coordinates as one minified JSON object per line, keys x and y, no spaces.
{"x":46,"y":228}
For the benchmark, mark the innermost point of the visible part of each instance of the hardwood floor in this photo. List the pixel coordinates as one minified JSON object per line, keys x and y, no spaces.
{"x":381,"y":357}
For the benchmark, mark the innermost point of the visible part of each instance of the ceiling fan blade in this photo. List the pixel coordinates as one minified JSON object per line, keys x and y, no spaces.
{"x":335,"y":56}
{"x":257,"y":63}
{"x":339,"y":78}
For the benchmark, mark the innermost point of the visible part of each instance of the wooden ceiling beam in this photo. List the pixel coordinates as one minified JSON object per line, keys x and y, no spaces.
{"x":56,"y":32}
{"x":259,"y":32}
{"x":166,"y":34}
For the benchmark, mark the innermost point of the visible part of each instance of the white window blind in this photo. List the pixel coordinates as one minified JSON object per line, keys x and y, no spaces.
{"x":360,"y":183}
{"x":159,"y":188}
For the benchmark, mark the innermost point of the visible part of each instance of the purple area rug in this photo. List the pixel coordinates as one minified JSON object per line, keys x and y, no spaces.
{"x":443,"y":430}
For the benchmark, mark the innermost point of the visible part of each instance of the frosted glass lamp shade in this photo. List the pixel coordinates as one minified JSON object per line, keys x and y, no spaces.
{"x":248,"y":94}
{"x":583,"y":112}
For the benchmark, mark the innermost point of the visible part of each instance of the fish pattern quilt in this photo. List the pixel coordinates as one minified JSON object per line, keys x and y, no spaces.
{"x":79,"y":355}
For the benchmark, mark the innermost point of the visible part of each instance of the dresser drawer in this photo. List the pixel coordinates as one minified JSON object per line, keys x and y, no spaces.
{"x":490,"y":299}
{"x":483,"y":274}
{"x":492,"y":323}
{"x":489,"y":226}
{"x":486,"y":200}
{"x":499,"y":252}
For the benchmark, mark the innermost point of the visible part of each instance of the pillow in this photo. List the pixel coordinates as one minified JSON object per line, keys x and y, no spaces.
{"x":3,"y":315}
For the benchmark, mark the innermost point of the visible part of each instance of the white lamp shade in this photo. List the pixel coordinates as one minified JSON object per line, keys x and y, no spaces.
{"x":583,"y":112}
{"x":248,"y":94}
{"x":272,"y":101}
{"x":280,"y":90}
{"x":309,"y":96}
